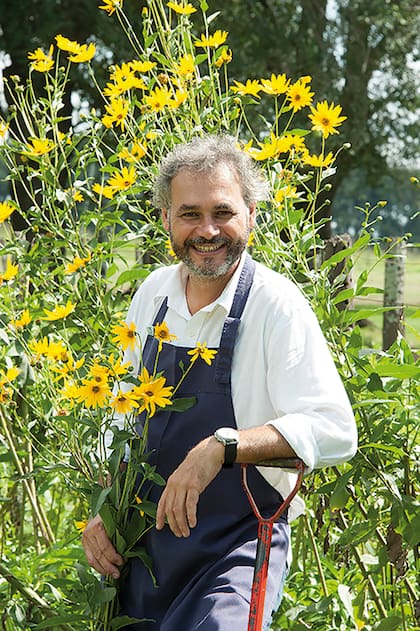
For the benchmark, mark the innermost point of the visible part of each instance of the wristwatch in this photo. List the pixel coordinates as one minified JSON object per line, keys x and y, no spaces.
{"x":229,"y":437}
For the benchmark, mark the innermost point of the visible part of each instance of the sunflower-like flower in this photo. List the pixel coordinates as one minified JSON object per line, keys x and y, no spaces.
{"x":201,"y":350}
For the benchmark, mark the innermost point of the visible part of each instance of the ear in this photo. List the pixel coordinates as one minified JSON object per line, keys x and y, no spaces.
{"x":165,"y":219}
{"x":252,"y":215}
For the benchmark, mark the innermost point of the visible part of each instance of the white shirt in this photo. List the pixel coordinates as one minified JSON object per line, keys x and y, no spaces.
{"x":282,"y":370}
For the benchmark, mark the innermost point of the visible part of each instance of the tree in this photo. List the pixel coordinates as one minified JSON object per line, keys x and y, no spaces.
{"x":360,"y":54}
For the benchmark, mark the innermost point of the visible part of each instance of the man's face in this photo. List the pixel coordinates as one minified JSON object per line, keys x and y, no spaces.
{"x":208,"y":222}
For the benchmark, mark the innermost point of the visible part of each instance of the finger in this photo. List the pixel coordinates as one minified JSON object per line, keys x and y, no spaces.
{"x":178,"y":521}
{"x":161,"y":512}
{"x":99,"y":550}
{"x":191,"y":507}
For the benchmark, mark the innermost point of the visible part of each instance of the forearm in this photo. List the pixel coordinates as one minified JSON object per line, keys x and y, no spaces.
{"x":262,"y":443}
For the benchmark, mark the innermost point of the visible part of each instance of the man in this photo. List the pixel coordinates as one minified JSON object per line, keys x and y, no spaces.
{"x":272,"y":384}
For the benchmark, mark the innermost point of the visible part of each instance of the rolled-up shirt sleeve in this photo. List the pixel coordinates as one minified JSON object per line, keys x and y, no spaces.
{"x":314,"y":414}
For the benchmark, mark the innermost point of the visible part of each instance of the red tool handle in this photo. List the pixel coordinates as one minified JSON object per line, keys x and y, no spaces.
{"x":265,"y":531}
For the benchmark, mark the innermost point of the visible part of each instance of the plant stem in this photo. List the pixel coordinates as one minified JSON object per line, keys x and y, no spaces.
{"x":317,"y":557}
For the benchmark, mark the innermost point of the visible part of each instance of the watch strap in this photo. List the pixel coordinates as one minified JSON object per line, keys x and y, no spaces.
{"x":231,"y":450}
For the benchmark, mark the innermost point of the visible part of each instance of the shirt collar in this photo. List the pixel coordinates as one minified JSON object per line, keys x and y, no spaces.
{"x":174,"y":285}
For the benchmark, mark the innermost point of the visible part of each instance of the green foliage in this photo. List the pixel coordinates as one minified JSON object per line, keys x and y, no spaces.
{"x":87,"y":234}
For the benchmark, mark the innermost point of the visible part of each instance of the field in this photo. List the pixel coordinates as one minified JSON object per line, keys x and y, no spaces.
{"x":373,"y":331}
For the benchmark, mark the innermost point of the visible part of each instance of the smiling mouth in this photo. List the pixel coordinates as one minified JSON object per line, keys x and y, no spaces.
{"x":208,"y":248}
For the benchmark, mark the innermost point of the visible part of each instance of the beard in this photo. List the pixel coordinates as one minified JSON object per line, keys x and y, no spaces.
{"x":209,"y":268}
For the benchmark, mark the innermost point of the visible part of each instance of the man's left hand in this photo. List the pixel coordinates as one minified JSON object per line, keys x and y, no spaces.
{"x":179,"y":500}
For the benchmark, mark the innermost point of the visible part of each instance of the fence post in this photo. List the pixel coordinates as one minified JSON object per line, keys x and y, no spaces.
{"x":393,"y":295}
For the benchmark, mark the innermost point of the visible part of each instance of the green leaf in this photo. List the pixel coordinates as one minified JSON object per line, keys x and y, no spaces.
{"x":182,"y":404}
{"x":344,"y":254}
{"x":130,"y":275}
{"x":125,"y":621}
{"x":398,"y":452}
{"x":374,"y":384}
{"x":99,"y":496}
{"x":55,"y":621}
{"x":120,"y":542}
{"x":399,"y":371}
{"x":389,"y":624}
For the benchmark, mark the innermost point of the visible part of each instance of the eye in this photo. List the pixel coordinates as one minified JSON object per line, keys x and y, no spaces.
{"x":224,"y":214}
{"x":190,"y":214}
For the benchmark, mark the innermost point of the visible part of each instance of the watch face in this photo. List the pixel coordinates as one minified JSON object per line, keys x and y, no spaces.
{"x":228,"y":434}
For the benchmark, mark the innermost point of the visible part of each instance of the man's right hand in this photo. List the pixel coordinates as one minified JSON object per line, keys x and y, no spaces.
{"x":100,"y":552}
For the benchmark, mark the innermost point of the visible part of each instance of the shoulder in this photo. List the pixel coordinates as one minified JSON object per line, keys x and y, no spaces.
{"x":276,"y":292}
{"x":156,"y":284}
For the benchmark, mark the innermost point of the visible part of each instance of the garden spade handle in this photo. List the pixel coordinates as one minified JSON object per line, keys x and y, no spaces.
{"x":265,"y":531}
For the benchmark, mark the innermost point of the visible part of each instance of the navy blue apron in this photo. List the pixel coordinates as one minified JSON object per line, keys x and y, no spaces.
{"x":204,"y":581}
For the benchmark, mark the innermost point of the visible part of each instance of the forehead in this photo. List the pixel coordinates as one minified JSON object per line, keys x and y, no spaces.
{"x":219,"y":184}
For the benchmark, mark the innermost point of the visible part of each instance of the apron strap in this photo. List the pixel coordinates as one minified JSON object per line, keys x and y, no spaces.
{"x":230,"y":328}
{"x":161,"y":313}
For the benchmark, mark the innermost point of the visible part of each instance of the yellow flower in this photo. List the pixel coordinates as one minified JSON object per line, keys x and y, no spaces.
{"x":225,"y":57}
{"x":276,"y":85}
{"x":158,"y":99}
{"x":59,"y":312}
{"x":39,"y":146}
{"x":124,"y":79}
{"x":85,"y":53}
{"x":139,"y":501}
{"x":123,"y":402}
{"x":325,"y":118}
{"x":6,"y":209}
{"x":125,"y":335}
{"x":273,"y":147}
{"x":185,"y":67}
{"x":251,"y":240}
{"x":116,"y":367}
{"x":168,"y":246}
{"x":286,"y":192}
{"x":111,"y":5}
{"x":123,"y":179}
{"x":39,"y":347}
{"x":94,"y":393}
{"x":137,"y":152}
{"x":117,"y":111}
{"x":10,"y":375}
{"x":3,"y":129}
{"x":81,"y":525}
{"x":251,"y":87}
{"x":5,"y":380}
{"x":201,"y":350}
{"x":57,"y":351}
{"x":106,"y":191}
{"x":98,"y":372}
{"x":10,"y":272}
{"x":183,"y":9}
{"x":67,"y":44}
{"x":318,"y":161}
{"x":77,"y":196}
{"x":179,"y":98}
{"x":68,"y":365}
{"x":213,"y":41}
{"x":161,"y":333}
{"x":299,"y":94}
{"x":142,"y":66}
{"x":76,"y":264}
{"x":22,"y":321}
{"x":42,"y":62}
{"x":152,"y":393}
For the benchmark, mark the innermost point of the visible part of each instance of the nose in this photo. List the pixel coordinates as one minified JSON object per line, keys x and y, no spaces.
{"x":207,"y":228}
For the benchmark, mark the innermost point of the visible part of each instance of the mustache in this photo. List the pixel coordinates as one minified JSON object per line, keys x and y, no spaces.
{"x":218,"y":241}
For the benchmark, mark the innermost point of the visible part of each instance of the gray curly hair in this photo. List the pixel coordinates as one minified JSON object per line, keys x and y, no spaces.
{"x":202,"y":155}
